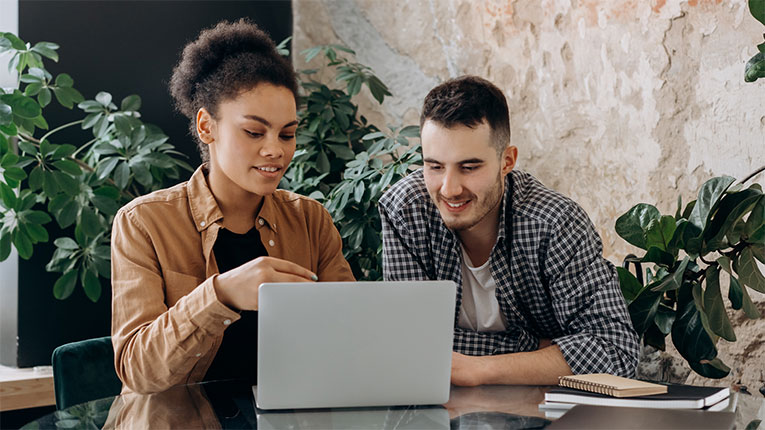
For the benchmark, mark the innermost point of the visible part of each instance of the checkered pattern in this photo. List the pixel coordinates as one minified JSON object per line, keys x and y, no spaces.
{"x":552,"y":283}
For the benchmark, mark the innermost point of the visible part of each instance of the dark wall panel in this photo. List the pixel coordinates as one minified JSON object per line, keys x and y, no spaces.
{"x":123,"y":47}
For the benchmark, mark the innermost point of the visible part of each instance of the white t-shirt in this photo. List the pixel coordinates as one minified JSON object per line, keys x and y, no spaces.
{"x":480,"y":308}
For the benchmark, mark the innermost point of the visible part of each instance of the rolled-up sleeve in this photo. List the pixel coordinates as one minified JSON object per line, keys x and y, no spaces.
{"x":156,"y":347}
{"x":587,"y":301}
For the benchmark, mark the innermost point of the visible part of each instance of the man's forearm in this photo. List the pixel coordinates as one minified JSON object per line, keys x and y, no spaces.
{"x":540,"y":367}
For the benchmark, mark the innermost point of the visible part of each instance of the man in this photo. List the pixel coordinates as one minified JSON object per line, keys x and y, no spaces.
{"x":535,"y":298}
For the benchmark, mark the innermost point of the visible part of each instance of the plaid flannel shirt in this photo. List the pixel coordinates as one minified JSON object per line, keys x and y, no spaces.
{"x":553,"y":282}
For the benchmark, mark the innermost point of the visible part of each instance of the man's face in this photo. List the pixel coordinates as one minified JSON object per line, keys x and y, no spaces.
{"x":463,"y":173}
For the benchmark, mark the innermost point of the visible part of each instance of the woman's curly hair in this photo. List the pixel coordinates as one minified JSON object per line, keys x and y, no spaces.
{"x":221,"y":63}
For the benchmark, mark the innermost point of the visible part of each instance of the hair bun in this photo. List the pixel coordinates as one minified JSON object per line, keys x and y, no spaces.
{"x":213,"y":47}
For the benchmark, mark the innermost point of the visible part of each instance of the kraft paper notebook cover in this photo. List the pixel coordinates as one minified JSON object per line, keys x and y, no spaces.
{"x":611,"y":385}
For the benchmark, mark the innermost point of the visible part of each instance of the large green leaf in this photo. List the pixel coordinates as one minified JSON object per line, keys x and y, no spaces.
{"x":16,"y":43}
{"x":757,"y":8}
{"x":64,"y":286}
{"x":91,"y":285}
{"x":643,"y":309}
{"x":5,"y":246}
{"x":632,"y":225}
{"x":6,"y":114}
{"x":709,"y":195}
{"x":659,"y":232}
{"x":732,"y":208}
{"x":735,"y":292}
{"x":665,"y":317}
{"x":629,"y":284}
{"x":754,"y":228}
{"x":23,"y":244}
{"x":715,"y":369}
{"x":755,"y":67}
{"x":750,"y":309}
{"x":22,"y":106}
{"x":714,"y":306}
{"x":655,"y":338}
{"x":675,"y":279}
{"x":89,"y":222}
{"x":746,"y":267}
{"x":688,"y":333}
{"x":7,"y":196}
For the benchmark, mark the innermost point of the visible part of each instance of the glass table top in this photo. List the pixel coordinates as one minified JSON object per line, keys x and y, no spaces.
{"x":230,"y":404}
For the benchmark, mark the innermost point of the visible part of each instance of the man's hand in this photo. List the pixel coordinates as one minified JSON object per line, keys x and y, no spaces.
{"x":466,"y":370}
{"x":238,"y":288}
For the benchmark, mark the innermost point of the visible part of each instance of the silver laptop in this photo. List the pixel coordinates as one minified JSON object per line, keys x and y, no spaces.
{"x":348,"y":344}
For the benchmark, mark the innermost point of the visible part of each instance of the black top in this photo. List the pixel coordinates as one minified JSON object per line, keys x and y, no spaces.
{"x":238,"y":353}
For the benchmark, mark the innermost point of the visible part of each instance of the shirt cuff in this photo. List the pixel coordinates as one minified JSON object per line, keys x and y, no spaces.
{"x":207,"y":312}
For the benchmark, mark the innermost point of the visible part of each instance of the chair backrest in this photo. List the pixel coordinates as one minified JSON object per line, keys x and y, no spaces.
{"x":84,"y":371}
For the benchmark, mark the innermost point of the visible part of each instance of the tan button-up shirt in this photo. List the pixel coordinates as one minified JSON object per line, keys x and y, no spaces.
{"x":167,"y":322}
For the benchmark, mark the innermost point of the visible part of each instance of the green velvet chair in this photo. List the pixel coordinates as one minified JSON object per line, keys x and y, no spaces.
{"x":84,"y":371}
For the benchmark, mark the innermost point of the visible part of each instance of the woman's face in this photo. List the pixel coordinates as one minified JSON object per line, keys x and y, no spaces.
{"x":252,"y":139}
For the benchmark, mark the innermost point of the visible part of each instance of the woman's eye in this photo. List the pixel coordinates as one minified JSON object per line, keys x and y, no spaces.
{"x":254,"y":133}
{"x":288,"y":136}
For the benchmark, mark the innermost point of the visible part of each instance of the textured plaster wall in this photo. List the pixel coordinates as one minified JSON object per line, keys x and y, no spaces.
{"x":613,"y":102}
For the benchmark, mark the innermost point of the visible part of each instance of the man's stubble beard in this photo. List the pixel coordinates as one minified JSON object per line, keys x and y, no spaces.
{"x":483,"y":207}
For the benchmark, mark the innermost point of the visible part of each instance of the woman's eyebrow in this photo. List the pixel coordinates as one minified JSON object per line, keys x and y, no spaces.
{"x":268,"y":123}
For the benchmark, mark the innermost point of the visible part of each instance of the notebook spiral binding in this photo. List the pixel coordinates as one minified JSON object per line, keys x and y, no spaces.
{"x":586,"y":386}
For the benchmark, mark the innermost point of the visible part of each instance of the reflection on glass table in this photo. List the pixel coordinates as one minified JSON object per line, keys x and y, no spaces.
{"x":230,"y":404}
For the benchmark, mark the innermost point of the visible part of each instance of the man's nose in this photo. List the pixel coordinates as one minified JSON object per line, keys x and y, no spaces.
{"x":452,"y":185}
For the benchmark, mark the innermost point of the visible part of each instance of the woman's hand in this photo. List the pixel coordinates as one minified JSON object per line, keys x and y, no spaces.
{"x":238,"y":288}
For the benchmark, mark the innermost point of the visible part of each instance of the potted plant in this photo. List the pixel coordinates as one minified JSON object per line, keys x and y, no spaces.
{"x":345,"y":162}
{"x":80,"y":186}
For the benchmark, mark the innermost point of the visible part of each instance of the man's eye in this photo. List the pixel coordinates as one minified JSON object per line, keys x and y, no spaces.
{"x":469,"y":168}
{"x":287,"y":136}
{"x":434,"y":167}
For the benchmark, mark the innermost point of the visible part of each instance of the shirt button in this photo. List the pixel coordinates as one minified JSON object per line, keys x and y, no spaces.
{"x":226,"y":322}
{"x":202,"y":223}
{"x":261,"y":222}
{"x":198,"y":354}
{"x":271,"y":242}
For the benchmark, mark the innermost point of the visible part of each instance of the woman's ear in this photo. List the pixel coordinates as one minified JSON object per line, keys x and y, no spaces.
{"x":205,"y":126}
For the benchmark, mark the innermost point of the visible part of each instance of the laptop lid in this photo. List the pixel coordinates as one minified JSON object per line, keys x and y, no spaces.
{"x":348,"y":344}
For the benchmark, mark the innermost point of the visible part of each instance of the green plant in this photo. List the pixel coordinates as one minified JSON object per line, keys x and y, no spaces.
{"x":755,"y":67}
{"x":722,"y":230}
{"x":345,"y":162}
{"x":121,"y":157}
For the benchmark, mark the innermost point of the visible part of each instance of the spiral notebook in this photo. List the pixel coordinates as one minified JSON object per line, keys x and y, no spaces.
{"x":611,"y":385}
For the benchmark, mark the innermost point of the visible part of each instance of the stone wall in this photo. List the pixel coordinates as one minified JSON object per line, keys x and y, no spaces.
{"x":613,"y":102}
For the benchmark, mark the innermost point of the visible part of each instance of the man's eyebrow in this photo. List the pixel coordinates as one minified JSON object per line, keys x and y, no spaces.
{"x":468,"y":161}
{"x":471,"y":161}
{"x":267,"y":123}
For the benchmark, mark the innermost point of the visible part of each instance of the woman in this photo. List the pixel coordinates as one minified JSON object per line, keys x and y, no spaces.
{"x":187,"y":261}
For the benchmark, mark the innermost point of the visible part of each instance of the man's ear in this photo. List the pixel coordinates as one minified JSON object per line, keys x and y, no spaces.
{"x":508,"y":159}
{"x":205,"y":126}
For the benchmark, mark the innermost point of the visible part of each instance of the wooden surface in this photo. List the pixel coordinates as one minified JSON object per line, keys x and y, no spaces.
{"x":26,"y":388}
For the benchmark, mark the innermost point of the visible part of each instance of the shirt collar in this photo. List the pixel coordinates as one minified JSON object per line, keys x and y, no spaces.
{"x":205,"y":210}
{"x":268,"y":211}
{"x":503,"y":213}
{"x":204,"y":207}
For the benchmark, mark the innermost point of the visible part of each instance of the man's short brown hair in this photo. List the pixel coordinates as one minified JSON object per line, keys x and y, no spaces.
{"x":469,"y":101}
